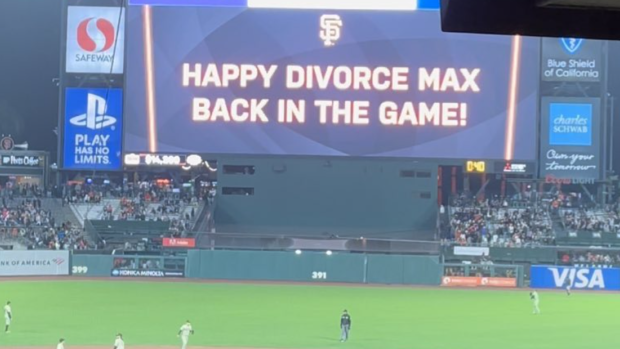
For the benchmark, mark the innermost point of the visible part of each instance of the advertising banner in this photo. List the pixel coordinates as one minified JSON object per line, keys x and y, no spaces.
{"x":471,"y":251}
{"x":22,"y":160}
{"x":93,"y":128}
{"x":335,"y":83}
{"x":471,"y":281}
{"x":148,"y":273}
{"x":570,"y":138}
{"x":571,"y":60}
{"x":179,"y":242}
{"x":34,"y":263}
{"x":579,"y":278}
{"x":511,"y":167}
{"x":95,"y":39}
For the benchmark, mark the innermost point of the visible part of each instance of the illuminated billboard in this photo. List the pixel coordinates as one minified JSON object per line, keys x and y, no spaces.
{"x":93,"y":127}
{"x":233,"y":80}
{"x":95,"y":39}
{"x":571,"y":141}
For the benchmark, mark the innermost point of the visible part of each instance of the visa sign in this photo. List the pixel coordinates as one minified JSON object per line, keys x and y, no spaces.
{"x":580,"y":278}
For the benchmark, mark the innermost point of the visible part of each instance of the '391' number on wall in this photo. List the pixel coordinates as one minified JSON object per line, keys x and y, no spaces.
{"x":319,"y":275}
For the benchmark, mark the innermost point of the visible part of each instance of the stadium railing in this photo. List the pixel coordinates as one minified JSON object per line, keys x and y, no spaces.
{"x":238,"y":241}
{"x":553,"y":255}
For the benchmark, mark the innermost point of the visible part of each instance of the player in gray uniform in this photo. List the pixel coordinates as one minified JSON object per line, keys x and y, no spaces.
{"x":535,"y":301}
{"x":567,"y":285}
{"x":345,"y":326}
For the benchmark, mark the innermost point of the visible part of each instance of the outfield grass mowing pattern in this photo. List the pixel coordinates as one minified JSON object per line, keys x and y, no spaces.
{"x":298,"y":316}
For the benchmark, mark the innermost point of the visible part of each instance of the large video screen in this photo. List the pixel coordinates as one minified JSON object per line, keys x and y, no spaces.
{"x":329,"y":83}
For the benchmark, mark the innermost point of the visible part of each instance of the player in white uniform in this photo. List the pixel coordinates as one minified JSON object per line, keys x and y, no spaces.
{"x":119,"y":343}
{"x":8,"y":316}
{"x":535,"y":301}
{"x":61,"y":344}
{"x":184,"y":333}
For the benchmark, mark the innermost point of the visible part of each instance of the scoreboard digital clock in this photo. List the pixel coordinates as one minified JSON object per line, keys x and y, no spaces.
{"x":472,"y":166}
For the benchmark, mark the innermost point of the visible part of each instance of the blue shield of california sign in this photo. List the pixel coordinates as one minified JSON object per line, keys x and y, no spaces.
{"x":571,"y":45}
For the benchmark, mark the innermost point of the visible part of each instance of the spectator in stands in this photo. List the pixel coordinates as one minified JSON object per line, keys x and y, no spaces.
{"x":493,"y":222}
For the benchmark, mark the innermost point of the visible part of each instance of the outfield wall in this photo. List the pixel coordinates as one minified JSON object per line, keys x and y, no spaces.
{"x":34,"y":263}
{"x":314,"y":266}
{"x":273,"y":266}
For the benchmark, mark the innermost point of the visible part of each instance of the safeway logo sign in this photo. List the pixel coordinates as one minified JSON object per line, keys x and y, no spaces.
{"x":95,"y":117}
{"x":578,"y":278}
{"x":95,"y":39}
{"x":95,"y":35}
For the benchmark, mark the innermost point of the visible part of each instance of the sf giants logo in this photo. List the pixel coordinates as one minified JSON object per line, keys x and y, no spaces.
{"x":7,"y":143}
{"x":330,"y":29}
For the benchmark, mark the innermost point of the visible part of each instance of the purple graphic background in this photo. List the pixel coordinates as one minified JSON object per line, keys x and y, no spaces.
{"x":283,"y":37}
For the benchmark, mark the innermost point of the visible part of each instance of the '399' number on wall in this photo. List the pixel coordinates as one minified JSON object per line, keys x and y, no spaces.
{"x":79,"y":270}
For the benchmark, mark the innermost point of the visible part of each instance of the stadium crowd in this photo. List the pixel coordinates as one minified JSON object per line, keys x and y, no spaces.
{"x":496,"y":222}
{"x":604,"y":220}
{"x":25,"y":220}
{"x":590,"y":258}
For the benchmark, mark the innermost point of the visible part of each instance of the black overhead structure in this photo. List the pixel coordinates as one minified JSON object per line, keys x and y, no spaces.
{"x":595,"y":19}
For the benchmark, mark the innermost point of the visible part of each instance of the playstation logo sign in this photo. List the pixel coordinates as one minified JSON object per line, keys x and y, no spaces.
{"x":571,"y":45}
{"x":95,"y":117}
{"x":93,"y":128}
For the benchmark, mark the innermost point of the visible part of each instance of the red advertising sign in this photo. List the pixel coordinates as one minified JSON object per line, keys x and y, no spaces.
{"x":460,"y":281}
{"x":179,"y":242}
{"x":467,"y":281}
{"x":499,"y":282}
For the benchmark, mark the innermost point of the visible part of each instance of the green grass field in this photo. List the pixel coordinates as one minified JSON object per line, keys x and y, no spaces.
{"x":277,"y":316}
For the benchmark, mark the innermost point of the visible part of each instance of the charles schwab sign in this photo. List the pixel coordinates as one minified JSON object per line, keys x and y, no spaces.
{"x":570,"y":138}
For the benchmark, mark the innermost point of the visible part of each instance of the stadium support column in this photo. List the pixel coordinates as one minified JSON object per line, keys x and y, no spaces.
{"x":484,"y":187}
{"x":503,"y":186}
{"x":439,"y":185}
{"x":61,"y":94}
{"x":453,"y":189}
{"x":466,"y":182}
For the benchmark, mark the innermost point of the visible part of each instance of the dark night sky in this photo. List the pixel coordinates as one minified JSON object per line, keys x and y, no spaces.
{"x":29,"y":60}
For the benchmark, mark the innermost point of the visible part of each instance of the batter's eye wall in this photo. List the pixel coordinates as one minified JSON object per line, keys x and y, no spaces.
{"x":345,"y":197}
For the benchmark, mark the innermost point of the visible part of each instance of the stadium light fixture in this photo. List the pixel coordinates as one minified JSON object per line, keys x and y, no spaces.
{"x":212,"y":169}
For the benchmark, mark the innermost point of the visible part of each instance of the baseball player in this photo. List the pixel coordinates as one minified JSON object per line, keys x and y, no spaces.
{"x":345,"y":326}
{"x":567,"y":285}
{"x":61,"y":344}
{"x":119,"y":343}
{"x":8,"y":316}
{"x":184,"y":333}
{"x":535,"y":301}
